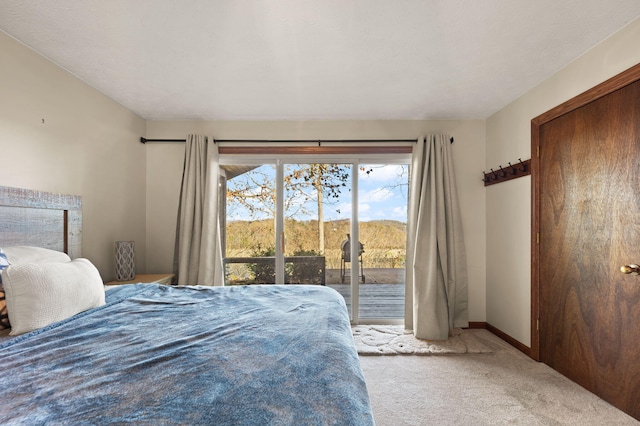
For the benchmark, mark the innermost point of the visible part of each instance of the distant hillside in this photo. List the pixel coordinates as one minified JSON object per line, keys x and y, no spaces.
{"x":384,"y":240}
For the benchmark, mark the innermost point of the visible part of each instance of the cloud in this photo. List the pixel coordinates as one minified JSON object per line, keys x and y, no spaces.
{"x":363,"y":208}
{"x":387,"y":173}
{"x":400,"y":212}
{"x":376,"y":195}
{"x":343,"y":211}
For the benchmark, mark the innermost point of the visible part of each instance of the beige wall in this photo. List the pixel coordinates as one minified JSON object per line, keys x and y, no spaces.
{"x":508,"y":204}
{"x":165,"y":160}
{"x":57,"y":134}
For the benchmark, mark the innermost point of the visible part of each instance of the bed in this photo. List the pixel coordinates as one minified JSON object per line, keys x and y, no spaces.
{"x":155,"y":354}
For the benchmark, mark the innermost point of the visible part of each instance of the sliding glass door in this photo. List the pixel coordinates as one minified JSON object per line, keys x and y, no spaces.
{"x":382,"y":228}
{"x":336,"y":223}
{"x":249,"y":213}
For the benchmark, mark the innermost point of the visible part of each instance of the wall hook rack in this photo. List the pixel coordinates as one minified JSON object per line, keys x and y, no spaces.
{"x":512,"y":171}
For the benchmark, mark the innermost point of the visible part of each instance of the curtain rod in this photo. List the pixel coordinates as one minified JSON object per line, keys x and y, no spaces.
{"x":318,"y":141}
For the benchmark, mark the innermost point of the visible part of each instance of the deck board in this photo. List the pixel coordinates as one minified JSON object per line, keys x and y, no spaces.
{"x":384,"y":301}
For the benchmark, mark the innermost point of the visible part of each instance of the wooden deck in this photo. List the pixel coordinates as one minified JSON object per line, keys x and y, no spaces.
{"x":381,"y":294}
{"x":379,"y":301}
{"x":372,"y":276}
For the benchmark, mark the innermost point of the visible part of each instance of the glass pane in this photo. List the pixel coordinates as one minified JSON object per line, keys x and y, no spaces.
{"x":249,"y":232}
{"x":382,"y":219}
{"x":317,"y":220}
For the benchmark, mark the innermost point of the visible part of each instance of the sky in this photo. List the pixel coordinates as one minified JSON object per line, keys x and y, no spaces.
{"x":382,"y":195}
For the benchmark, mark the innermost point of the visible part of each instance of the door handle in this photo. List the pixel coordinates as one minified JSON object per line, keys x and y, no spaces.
{"x":630,"y":269}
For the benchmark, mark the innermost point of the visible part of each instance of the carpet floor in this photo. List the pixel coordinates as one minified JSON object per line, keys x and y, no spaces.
{"x":504,"y":387}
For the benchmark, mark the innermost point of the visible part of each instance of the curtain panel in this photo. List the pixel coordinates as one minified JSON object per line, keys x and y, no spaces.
{"x":198,"y":252}
{"x":436,"y":283}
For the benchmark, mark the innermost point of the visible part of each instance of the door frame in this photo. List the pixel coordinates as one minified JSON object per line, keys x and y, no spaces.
{"x":625,"y":78}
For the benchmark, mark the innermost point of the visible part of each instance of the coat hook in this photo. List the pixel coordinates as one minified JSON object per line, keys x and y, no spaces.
{"x":524,"y":167}
{"x":502,"y":174}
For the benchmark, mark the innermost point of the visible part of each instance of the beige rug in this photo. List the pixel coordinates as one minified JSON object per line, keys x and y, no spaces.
{"x":395,"y":340}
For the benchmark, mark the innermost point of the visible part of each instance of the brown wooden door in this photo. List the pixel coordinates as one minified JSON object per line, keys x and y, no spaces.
{"x":589,"y":224}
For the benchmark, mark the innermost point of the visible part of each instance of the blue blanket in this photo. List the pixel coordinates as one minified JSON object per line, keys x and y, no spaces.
{"x":255,"y":355}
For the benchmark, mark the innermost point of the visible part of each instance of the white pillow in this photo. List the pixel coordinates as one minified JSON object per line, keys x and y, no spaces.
{"x":28,"y":254}
{"x":38,"y":294}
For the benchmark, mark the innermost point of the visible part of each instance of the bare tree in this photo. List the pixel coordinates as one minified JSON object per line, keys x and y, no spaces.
{"x":322,"y":179}
{"x":322,"y":183}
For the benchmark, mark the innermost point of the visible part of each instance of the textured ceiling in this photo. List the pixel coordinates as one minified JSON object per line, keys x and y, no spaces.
{"x":322,"y":59}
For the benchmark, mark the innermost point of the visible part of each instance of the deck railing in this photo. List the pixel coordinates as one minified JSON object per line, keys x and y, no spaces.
{"x":298,"y":269}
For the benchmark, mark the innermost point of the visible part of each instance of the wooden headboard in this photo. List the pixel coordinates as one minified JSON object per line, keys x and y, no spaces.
{"x":41,"y":219}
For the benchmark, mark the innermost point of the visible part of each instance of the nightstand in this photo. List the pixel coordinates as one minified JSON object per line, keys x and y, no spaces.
{"x":146,"y":278}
